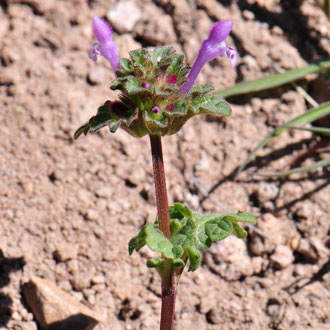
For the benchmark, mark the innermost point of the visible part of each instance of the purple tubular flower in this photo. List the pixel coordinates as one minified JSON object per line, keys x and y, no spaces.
{"x":105,"y":46}
{"x":212,"y":47}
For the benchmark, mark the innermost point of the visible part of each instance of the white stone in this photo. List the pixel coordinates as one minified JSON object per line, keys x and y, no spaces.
{"x":124,"y":16}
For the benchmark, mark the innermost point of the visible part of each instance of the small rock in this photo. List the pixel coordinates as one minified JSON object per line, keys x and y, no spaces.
{"x":124,"y":16}
{"x":98,"y":279}
{"x":248,"y":15}
{"x":80,"y":281}
{"x":65,"y":252}
{"x":92,"y":215}
{"x":305,"y":248}
{"x":267,"y":191}
{"x":104,"y":192}
{"x":16,"y":316}
{"x":97,"y":75}
{"x":282,"y":256}
{"x":56,"y":309}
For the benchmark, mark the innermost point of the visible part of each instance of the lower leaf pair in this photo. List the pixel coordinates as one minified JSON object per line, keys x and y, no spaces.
{"x":191,"y":232}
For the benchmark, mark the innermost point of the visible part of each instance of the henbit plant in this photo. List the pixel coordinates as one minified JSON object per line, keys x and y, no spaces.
{"x":156,"y":99}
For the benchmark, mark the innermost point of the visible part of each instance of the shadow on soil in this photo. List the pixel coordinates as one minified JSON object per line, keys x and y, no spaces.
{"x":7,"y":265}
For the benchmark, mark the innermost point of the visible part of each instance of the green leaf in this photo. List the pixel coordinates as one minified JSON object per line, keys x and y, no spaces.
{"x":194,"y":257}
{"x":133,"y":86}
{"x":179,"y":211}
{"x":193,"y":231}
{"x":160,"y":92}
{"x":186,"y":235}
{"x":177,"y":62}
{"x":137,"y":242}
{"x":126,"y":65}
{"x":273,"y":80}
{"x":180,"y":108}
{"x":211,"y":228}
{"x":175,"y":226}
{"x":114,"y":125}
{"x":155,"y":263}
{"x":210,"y":105}
{"x":99,"y":121}
{"x":117,"y":84}
{"x":157,"y":242}
{"x":83,"y":129}
{"x":161,"y":56}
{"x":158,"y":119}
{"x":307,"y":117}
{"x":241,"y":217}
{"x":238,"y":231}
{"x":178,"y":262}
{"x":200,"y":89}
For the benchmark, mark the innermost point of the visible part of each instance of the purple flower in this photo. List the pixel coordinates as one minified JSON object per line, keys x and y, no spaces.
{"x":105,"y":46}
{"x":212,"y":47}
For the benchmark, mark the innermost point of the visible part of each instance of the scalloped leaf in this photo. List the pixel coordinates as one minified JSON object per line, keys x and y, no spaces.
{"x":133,"y":86}
{"x":159,"y":120}
{"x":241,"y":217}
{"x":157,"y":242}
{"x":161,"y":56}
{"x":140,"y":58}
{"x":210,"y":104}
{"x":137,"y":242}
{"x":82,"y":129}
{"x":180,"y":108}
{"x":114,"y":125}
{"x":179,"y":211}
{"x":194,"y":257}
{"x":117,"y":84}
{"x":200,"y":89}
{"x":160,"y":92}
{"x":211,"y":228}
{"x":126,"y":65}
{"x":177,"y":62}
{"x":185,"y":236}
{"x":238,"y":231}
{"x":155,"y":262}
{"x":190,"y":232}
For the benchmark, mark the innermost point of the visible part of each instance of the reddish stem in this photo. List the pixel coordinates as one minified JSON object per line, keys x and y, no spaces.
{"x":168,"y":276}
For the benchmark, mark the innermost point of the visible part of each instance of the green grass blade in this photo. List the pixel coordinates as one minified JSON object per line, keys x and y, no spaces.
{"x":313,"y":129}
{"x":321,"y":163}
{"x":307,"y":117}
{"x":273,"y":80}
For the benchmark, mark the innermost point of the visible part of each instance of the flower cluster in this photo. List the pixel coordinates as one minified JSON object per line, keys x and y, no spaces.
{"x":157,"y":94}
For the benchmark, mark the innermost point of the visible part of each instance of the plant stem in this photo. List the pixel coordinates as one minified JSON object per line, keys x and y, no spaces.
{"x":168,"y":276}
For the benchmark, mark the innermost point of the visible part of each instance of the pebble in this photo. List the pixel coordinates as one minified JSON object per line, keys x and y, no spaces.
{"x":16,"y":316}
{"x":305,"y":248}
{"x":104,"y":192}
{"x":267,"y":191}
{"x":282,"y":256}
{"x":80,"y":281}
{"x":248,"y":15}
{"x":65,"y":252}
{"x":124,"y":16}
{"x":96,"y":75}
{"x":92,"y":215}
{"x":98,"y":279}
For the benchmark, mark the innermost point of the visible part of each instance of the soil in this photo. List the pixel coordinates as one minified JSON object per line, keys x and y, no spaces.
{"x":69,"y":208}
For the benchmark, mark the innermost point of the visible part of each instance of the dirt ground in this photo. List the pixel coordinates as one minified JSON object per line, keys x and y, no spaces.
{"x":68,"y":209}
